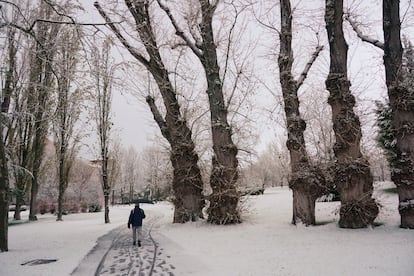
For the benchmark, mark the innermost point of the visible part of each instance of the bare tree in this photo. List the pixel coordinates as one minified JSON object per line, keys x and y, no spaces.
{"x":353,"y":176}
{"x":4,"y":168}
{"x":17,"y":136}
{"x":401,"y":99}
{"x":6,"y":92}
{"x":4,"y":190}
{"x":103,"y":73}
{"x":187,"y":183}
{"x":28,"y":129}
{"x":41,"y":83}
{"x":67,"y":109}
{"x":200,"y":39}
{"x":306,"y":181}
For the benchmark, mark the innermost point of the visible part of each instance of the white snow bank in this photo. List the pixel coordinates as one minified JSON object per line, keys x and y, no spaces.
{"x":267,"y":244}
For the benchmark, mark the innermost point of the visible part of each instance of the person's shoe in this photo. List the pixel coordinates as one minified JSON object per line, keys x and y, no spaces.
{"x":139,"y":243}
{"x":134,"y":243}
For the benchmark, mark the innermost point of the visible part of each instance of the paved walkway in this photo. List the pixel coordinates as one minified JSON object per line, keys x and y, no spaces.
{"x":115,"y":255}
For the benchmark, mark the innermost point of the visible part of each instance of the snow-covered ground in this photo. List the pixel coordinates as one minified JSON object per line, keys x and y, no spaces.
{"x":264,"y":244}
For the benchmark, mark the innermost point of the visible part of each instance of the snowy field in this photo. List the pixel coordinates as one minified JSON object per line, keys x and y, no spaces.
{"x":265,"y":244}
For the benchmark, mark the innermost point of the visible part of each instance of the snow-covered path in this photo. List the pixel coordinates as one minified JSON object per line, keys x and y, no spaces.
{"x":115,"y":255}
{"x":67,"y":242}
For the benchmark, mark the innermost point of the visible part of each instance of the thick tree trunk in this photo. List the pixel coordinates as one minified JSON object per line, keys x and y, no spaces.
{"x":187,"y":186}
{"x":402,"y":106}
{"x":224,"y":200}
{"x":303,"y":207}
{"x":353,"y":176}
{"x":225,"y":197}
{"x":187,"y":183}
{"x":306,"y":183}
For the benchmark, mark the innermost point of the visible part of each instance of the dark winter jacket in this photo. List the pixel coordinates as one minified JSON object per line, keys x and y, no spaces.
{"x":136,"y":217}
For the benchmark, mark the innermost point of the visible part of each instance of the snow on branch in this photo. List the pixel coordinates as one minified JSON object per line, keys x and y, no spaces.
{"x":178,"y":31}
{"x":308,"y":66}
{"x":362,"y":36}
{"x":121,"y":38}
{"x":158,"y":117}
{"x":29,"y":29}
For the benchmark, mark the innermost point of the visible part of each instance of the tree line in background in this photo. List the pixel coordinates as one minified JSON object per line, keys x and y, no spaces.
{"x":58,"y":72}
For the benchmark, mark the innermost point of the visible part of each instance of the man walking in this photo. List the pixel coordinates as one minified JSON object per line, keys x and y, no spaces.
{"x":135,"y":219}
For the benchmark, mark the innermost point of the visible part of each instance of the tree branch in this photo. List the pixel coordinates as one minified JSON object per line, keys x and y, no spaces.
{"x":157,"y":117}
{"x":229,"y":41}
{"x":30,"y":28}
{"x":363,"y":37}
{"x":178,"y":31}
{"x":120,"y":37}
{"x":308,"y":66}
{"x":73,"y":23}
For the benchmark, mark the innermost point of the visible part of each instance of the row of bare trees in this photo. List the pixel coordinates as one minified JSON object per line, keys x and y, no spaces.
{"x":352,"y":174}
{"x":43,"y":98}
{"x":152,"y":32}
{"x":187,"y":183}
{"x":401,"y":103}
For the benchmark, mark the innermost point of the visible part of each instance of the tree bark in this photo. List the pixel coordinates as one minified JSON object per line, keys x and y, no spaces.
{"x":225,"y":197}
{"x":104,"y":144}
{"x":61,"y":187}
{"x":106,"y":194}
{"x":353,"y":176}
{"x":4,"y":168}
{"x":223,"y":179}
{"x":307,"y":183}
{"x":4,"y":191}
{"x":187,"y":183}
{"x":402,"y":106}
